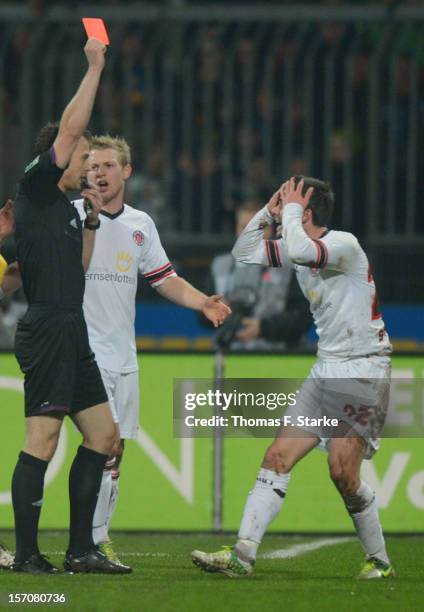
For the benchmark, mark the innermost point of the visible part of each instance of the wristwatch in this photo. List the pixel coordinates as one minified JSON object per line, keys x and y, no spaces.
{"x":91,"y":226}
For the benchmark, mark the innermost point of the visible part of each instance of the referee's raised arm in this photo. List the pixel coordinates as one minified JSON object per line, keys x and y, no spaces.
{"x":77,"y":114}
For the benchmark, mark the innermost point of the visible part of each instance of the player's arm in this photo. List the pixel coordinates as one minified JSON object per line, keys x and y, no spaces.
{"x":77,"y":114}
{"x":160,"y":274}
{"x":180,"y":292}
{"x":252,"y":248}
{"x":303,"y":250}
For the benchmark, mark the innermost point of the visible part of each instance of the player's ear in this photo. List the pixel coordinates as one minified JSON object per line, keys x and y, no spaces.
{"x":127,"y":171}
{"x":307,"y":215}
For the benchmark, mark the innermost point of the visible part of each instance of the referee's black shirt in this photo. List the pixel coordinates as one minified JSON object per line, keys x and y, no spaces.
{"x":48,"y":237}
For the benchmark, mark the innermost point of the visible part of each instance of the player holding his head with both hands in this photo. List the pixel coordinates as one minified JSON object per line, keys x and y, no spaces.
{"x":334,"y":275}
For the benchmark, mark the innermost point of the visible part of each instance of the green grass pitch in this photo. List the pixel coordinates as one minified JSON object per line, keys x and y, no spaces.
{"x":165,"y":580}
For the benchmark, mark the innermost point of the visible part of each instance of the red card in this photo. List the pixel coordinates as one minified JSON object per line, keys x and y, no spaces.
{"x":95,"y":28}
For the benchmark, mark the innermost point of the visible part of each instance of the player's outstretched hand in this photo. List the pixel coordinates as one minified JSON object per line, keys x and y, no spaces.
{"x":7,"y":221}
{"x":215,"y":310}
{"x":95,"y":53}
{"x":274,"y":206}
{"x":291,"y":193}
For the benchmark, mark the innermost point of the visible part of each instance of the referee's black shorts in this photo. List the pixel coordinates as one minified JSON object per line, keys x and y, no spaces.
{"x":61,"y":373}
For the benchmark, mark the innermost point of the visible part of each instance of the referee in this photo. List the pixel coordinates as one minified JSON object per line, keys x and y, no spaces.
{"x":61,"y":374}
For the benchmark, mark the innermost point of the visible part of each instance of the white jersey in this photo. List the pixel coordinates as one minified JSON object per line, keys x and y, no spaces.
{"x":335,"y":277}
{"x":126,"y":243}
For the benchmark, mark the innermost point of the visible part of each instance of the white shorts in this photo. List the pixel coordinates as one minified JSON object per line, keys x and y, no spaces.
{"x":355,"y":392}
{"x":124,"y":397}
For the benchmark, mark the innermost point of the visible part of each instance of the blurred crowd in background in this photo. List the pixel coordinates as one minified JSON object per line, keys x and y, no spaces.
{"x":190,"y":173}
{"x":218,"y":114}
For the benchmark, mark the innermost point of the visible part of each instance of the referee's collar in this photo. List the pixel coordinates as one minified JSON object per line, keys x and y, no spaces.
{"x":112,"y":215}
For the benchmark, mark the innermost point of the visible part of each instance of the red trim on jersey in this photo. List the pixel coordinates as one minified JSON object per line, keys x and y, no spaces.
{"x":318,"y":253}
{"x":375,"y":308}
{"x":277,"y":252}
{"x":157,"y":270}
{"x":322,"y":253}
{"x":273,"y":254}
{"x":324,"y":246}
{"x":268,"y":253}
{"x":160,"y":278}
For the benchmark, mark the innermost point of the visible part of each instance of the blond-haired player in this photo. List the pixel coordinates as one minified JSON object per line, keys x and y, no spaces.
{"x":127,"y":243}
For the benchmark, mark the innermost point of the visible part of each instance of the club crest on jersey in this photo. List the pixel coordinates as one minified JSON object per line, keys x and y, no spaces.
{"x":315,"y":271}
{"x":138,"y":237}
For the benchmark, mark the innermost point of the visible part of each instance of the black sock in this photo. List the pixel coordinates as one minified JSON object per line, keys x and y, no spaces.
{"x":27,"y":497}
{"x":84,"y":484}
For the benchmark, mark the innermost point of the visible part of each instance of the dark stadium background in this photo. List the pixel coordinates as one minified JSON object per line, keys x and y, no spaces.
{"x":220,"y":106}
